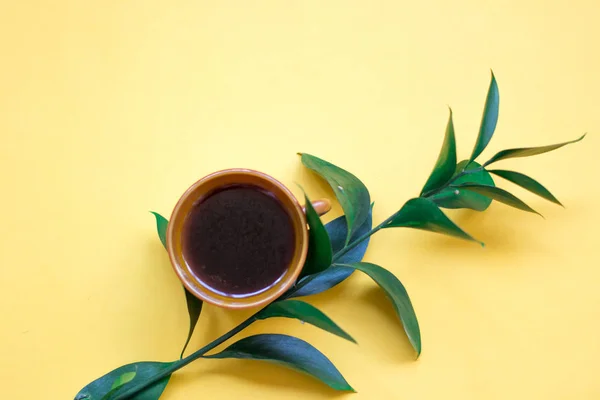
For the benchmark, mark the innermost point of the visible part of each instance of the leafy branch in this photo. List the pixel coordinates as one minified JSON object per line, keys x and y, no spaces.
{"x":335,"y":251}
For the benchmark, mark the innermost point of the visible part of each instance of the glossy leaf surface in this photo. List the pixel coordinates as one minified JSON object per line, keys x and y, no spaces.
{"x":194,"y":305}
{"x":396,"y":292}
{"x":489,"y":119}
{"x":338,"y":231}
{"x":421,"y":213}
{"x":526,"y":183}
{"x":333,"y":276}
{"x":448,"y":198}
{"x":123,"y":379}
{"x":349,"y":190}
{"x":161,"y":228}
{"x":321,"y":282}
{"x":498,"y":194}
{"x":288,"y":351}
{"x":319,"y":246}
{"x":102,"y":388}
{"x":304,"y":312}
{"x":528,"y":151}
{"x":446,"y":163}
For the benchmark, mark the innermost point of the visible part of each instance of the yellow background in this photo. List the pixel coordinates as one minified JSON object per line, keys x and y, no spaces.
{"x":111,"y":109}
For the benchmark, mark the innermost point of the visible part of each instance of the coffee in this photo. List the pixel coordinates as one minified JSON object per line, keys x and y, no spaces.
{"x":238,"y":240}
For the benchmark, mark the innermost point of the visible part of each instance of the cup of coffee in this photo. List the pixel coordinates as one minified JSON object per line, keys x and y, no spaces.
{"x":238,"y":238}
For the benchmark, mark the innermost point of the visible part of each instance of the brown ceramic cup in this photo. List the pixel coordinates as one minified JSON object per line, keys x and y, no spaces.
{"x":208,"y":185}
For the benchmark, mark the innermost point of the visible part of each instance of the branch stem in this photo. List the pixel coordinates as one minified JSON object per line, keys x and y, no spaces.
{"x":133,"y":390}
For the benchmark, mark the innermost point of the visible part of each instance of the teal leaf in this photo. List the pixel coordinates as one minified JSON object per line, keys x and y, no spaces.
{"x":421,"y":213}
{"x":104,"y":387}
{"x":527,"y":183}
{"x":446,"y":163}
{"x":332,"y":276}
{"x":319,"y":246}
{"x":304,"y":312}
{"x":349,"y":190}
{"x":448,"y":198}
{"x":396,"y":292}
{"x":318,"y":283}
{"x":288,"y":351}
{"x":498,"y":194}
{"x":338,"y":229}
{"x":194,"y":304}
{"x":527,"y":151}
{"x":488,"y":120}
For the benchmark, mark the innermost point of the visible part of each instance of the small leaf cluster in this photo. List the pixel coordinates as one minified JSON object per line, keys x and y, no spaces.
{"x":335,"y":252}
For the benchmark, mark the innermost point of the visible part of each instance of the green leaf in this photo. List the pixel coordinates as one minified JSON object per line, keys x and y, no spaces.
{"x":349,"y":190}
{"x":334,"y":275}
{"x":304,"y":312}
{"x":498,"y":194}
{"x":123,"y":379}
{"x":288,"y":351}
{"x":120,"y":381}
{"x":448,"y":198}
{"x":396,"y":292}
{"x":194,"y":304}
{"x":528,"y":151}
{"x":446,"y":162}
{"x":161,"y":228}
{"x":527,"y":183}
{"x":319,"y":246}
{"x":421,"y":213}
{"x":101,"y":388}
{"x":488,"y":120}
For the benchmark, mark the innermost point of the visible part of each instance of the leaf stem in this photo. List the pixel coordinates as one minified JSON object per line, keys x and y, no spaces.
{"x":128,"y":393}
{"x":356,"y":242}
{"x":451,"y":181}
{"x":133,"y":390}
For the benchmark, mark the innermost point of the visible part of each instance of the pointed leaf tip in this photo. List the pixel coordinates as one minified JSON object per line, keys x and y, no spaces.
{"x":288,"y":351}
{"x":396,"y":292}
{"x":500,"y":195}
{"x":446,"y":162}
{"x":528,"y":151}
{"x":304,"y":312}
{"x":422,"y":213}
{"x":526,"y":183}
{"x":489,"y":119}
{"x":161,"y":227}
{"x":194,"y":304}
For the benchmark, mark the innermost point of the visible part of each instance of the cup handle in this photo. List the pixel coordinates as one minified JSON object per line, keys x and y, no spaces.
{"x":321,"y":206}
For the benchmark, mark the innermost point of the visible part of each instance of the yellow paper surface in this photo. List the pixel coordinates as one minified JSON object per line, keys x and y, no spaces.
{"x":111,"y":109}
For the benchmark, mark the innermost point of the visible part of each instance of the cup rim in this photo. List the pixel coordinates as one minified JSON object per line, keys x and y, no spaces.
{"x":202,"y":292}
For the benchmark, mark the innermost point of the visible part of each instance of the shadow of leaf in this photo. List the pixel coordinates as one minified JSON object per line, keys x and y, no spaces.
{"x":262,"y":373}
{"x":496,"y":227}
{"x":399,"y":350}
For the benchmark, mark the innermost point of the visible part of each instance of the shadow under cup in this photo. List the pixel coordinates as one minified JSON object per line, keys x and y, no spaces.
{"x":202,"y":189}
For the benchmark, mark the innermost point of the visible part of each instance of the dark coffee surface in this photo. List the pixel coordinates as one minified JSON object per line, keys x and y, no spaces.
{"x":239,"y":240}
